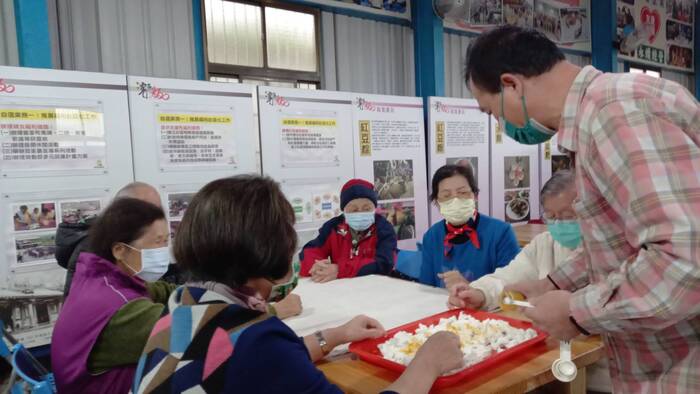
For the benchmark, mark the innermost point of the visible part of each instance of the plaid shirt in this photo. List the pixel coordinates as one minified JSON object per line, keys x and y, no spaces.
{"x":636,"y":144}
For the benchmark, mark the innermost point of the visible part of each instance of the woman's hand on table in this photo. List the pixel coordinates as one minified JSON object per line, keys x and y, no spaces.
{"x":324,"y":271}
{"x":318,"y":264}
{"x":452,"y":279}
{"x":464,"y":296}
{"x":289,"y":306}
{"x":361,"y":327}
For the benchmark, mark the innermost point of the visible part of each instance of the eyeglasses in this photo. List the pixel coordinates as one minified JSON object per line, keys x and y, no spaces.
{"x":550,"y":217}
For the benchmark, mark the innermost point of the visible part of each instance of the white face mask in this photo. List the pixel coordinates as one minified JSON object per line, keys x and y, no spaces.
{"x":458,"y":211}
{"x":154,"y":263}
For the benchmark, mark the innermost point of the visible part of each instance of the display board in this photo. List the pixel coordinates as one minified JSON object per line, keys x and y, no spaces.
{"x":390,"y":152}
{"x":306,"y":145}
{"x":66,"y":149}
{"x":657,"y":32}
{"x":552,"y":159}
{"x":566,"y":22}
{"x":395,"y":8}
{"x":459,"y":134}
{"x":515,"y":178}
{"x":188,"y":133}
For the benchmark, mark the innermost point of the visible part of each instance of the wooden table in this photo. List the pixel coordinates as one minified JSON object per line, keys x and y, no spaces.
{"x":395,"y":302}
{"x":525,"y":233}
{"x":520,"y":374}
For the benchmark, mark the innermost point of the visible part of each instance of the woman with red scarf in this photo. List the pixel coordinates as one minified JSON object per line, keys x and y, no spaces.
{"x":467,"y":244}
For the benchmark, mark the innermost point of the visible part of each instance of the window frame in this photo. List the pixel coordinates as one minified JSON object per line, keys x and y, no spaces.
{"x":265,"y":72}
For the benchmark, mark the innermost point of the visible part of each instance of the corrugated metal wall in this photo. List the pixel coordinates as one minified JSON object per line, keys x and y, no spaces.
{"x":153,"y":38}
{"x":8,"y":34}
{"x":367,"y":56}
{"x":455,"y":52}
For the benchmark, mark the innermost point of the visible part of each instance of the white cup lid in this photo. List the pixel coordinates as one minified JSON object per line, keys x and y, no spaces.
{"x":564,"y":370}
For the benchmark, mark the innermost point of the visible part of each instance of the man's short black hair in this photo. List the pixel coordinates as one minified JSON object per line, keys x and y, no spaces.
{"x":451,"y":170}
{"x":509,"y":49}
{"x":236,"y":229}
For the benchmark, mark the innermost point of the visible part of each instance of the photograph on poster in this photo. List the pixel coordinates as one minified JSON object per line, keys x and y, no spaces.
{"x":28,"y":314}
{"x":679,"y":33}
{"x":302,"y":209}
{"x":35,"y":248}
{"x":388,"y":5}
{"x":486,"y":12}
{"x":574,"y":25}
{"x":517,"y":172}
{"x":517,"y":204}
{"x":470,"y":162}
{"x":73,"y":212}
{"x":518,"y":12}
{"x":178,"y":203}
{"x":625,"y":23}
{"x":401,"y":215}
{"x":34,"y":216}
{"x":680,"y":57}
{"x":681,"y":10}
{"x":393,"y":179}
{"x":326,"y":205}
{"x":560,"y":162}
{"x":174,"y":224}
{"x":547,"y":20}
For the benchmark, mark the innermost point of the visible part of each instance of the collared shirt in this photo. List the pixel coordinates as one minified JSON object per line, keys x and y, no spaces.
{"x":636,"y":141}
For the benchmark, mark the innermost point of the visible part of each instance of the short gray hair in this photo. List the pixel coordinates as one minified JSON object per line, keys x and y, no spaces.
{"x":560,"y":181}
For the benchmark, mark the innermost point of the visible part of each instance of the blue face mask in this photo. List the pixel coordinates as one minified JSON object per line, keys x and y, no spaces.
{"x":532,"y":133}
{"x":565,"y":232}
{"x":154,"y":263}
{"x":360,"y":221}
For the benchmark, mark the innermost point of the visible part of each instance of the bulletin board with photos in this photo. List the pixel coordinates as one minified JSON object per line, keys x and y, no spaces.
{"x":459,"y":134}
{"x":66,"y":147}
{"x":515,"y":178}
{"x":657,"y":32}
{"x":390,"y":152}
{"x":566,"y":22}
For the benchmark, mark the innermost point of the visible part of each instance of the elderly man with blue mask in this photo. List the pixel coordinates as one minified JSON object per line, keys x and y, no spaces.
{"x":536,"y":260}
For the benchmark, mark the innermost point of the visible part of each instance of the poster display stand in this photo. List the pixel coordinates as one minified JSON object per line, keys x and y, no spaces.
{"x":65,"y":150}
{"x":515,"y":178}
{"x":390,"y":152}
{"x":306,"y":145}
{"x":459,"y":134}
{"x":188,"y":133}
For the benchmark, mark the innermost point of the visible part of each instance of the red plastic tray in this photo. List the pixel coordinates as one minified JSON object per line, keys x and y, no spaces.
{"x":368,"y":349}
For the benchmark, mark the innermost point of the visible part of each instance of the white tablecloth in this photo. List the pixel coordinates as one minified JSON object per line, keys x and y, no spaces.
{"x":392,"y":302}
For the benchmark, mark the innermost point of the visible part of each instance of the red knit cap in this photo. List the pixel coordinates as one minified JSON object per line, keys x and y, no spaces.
{"x":357,"y":188}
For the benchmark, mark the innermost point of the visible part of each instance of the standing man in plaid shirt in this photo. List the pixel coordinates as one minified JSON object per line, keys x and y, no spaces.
{"x":635,"y":145}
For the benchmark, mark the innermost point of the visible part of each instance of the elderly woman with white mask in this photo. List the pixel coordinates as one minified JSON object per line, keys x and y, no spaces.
{"x":467,"y":244}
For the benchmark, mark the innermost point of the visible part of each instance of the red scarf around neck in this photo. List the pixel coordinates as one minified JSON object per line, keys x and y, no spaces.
{"x":454,"y":232}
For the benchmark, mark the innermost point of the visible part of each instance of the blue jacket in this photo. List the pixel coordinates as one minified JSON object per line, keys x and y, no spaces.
{"x":498,"y":247}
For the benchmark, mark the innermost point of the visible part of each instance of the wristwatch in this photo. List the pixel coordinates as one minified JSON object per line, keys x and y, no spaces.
{"x":322,"y":343}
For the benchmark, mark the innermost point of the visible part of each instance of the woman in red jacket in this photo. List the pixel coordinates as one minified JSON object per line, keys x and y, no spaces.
{"x":358,"y":242}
